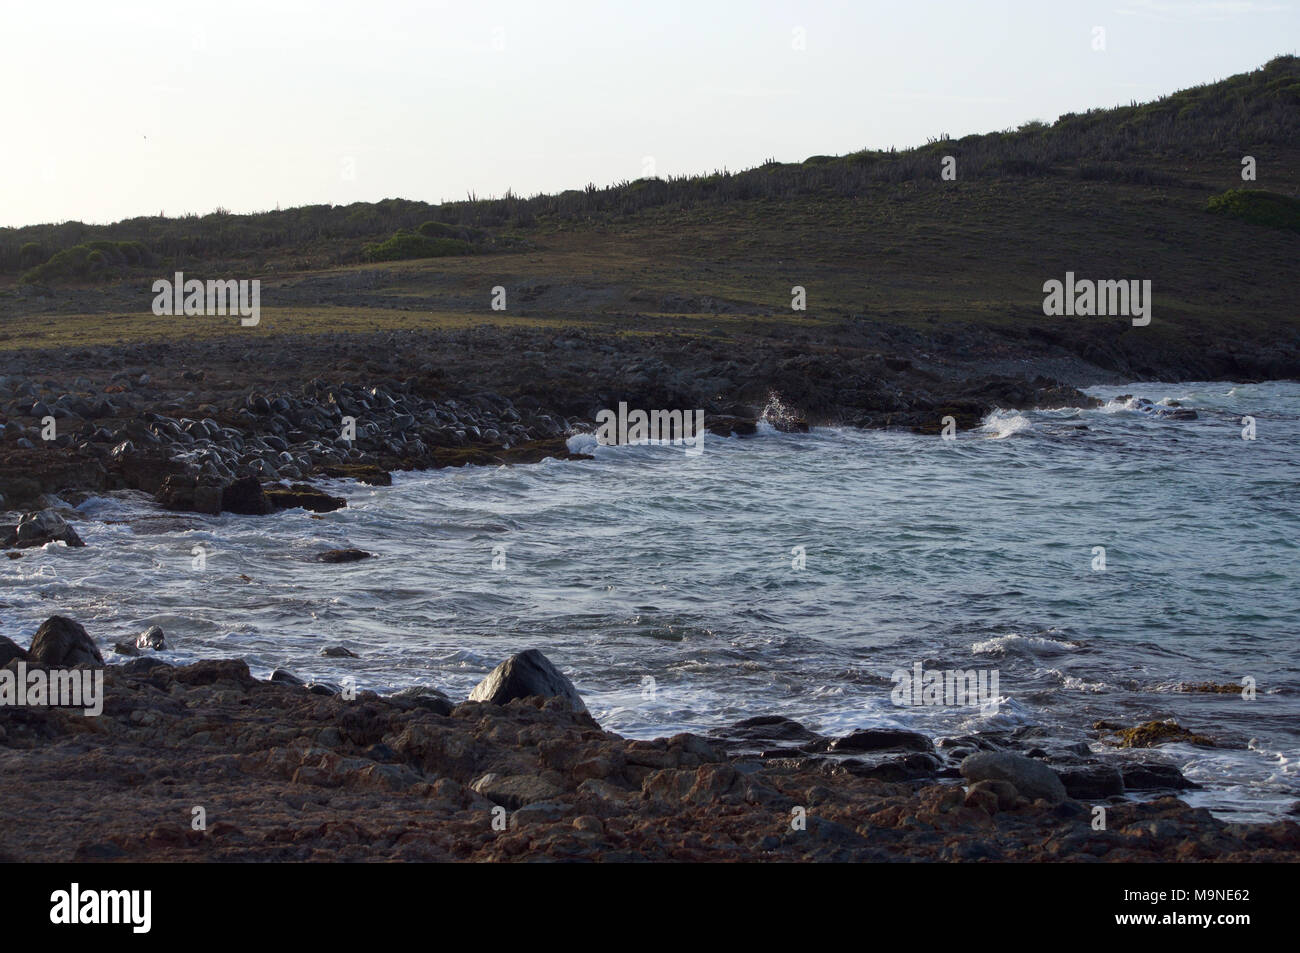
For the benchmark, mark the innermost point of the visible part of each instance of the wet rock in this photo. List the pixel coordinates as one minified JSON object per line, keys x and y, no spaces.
{"x":881,"y":740}
{"x":771,"y":736}
{"x":126,"y":648}
{"x":338,"y":651}
{"x":1143,"y":776}
{"x":1031,"y":778}
{"x":302,"y":495}
{"x":342,"y":556}
{"x":151,"y":638}
{"x":523,"y":675}
{"x":37,"y":529}
{"x":1154,"y":733}
{"x":62,"y":643}
{"x":282,"y":677}
{"x":1092,"y":781}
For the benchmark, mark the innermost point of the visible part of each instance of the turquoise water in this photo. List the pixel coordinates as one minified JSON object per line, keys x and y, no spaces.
{"x":664,"y":583}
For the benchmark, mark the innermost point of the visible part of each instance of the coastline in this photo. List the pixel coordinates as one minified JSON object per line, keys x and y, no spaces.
{"x":286,"y":772}
{"x":215,"y":444}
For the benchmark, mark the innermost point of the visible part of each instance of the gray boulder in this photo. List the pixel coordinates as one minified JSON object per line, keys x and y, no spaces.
{"x":62,"y":643}
{"x":1031,"y":778}
{"x":523,"y":675}
{"x":151,"y":638}
{"x":37,"y":529}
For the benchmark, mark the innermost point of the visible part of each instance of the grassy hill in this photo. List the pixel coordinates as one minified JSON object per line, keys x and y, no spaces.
{"x":1140,"y":191}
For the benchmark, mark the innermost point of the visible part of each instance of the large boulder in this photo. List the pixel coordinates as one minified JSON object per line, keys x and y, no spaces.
{"x":151,"y":638}
{"x":524,"y":675}
{"x":1031,"y":778}
{"x":62,"y":643}
{"x":37,"y":529}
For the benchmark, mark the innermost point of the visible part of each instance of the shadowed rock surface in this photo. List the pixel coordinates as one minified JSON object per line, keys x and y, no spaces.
{"x":62,"y":643}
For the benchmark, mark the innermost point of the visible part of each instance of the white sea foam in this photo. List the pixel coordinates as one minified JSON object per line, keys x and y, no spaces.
{"x":1003,"y":644}
{"x":1001,"y":424}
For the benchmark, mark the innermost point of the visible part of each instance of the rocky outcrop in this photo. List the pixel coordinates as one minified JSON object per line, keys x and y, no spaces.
{"x":62,"y":643}
{"x":37,"y":529}
{"x":330,"y":778}
{"x":527,"y":674}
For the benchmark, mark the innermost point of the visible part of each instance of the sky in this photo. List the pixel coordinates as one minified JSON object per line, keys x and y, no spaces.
{"x":112,"y":110}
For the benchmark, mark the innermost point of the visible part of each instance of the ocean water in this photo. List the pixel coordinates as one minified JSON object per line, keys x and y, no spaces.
{"x":667,"y":586}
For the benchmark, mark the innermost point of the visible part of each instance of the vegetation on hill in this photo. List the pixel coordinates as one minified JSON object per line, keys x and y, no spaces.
{"x":89,"y":260}
{"x":1258,"y":207}
{"x":1152,"y":144}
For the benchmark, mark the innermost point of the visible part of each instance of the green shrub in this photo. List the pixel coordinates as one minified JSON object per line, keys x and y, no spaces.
{"x":407,"y":245}
{"x":31,"y":255}
{"x":89,"y":259}
{"x":442,"y":230}
{"x":1258,"y":207}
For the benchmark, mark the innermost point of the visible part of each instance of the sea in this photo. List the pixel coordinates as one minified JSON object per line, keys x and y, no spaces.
{"x":1100,"y":561}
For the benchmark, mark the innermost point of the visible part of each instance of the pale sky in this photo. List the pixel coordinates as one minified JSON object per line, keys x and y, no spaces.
{"x":116,"y":109}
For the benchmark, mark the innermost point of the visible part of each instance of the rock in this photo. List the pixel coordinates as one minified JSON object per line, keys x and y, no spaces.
{"x":1031,"y":778}
{"x":342,"y":556}
{"x":62,"y":643}
{"x":893,"y":768}
{"x":1144,"y":776}
{"x":302,"y":495}
{"x":768,"y":732}
{"x":427,"y":698}
{"x":1092,"y":781}
{"x":10,"y":650}
{"x":245,"y":496}
{"x":982,"y":798}
{"x":524,"y":675}
{"x":151,"y":638}
{"x":282,"y":677}
{"x":514,"y":791}
{"x":37,"y":529}
{"x":338,"y":651}
{"x":1005,"y":794}
{"x":125,"y":648}
{"x":878,"y":740}
{"x":139,"y":666}
{"x":1153,"y":733}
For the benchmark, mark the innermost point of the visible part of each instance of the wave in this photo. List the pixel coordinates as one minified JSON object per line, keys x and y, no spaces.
{"x":1003,"y":423}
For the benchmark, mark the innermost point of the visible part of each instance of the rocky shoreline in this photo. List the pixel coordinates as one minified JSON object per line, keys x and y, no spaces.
{"x":204,"y":762}
{"x":205,"y":415}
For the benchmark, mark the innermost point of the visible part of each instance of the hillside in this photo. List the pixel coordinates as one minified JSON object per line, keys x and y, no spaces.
{"x":884,"y":247}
